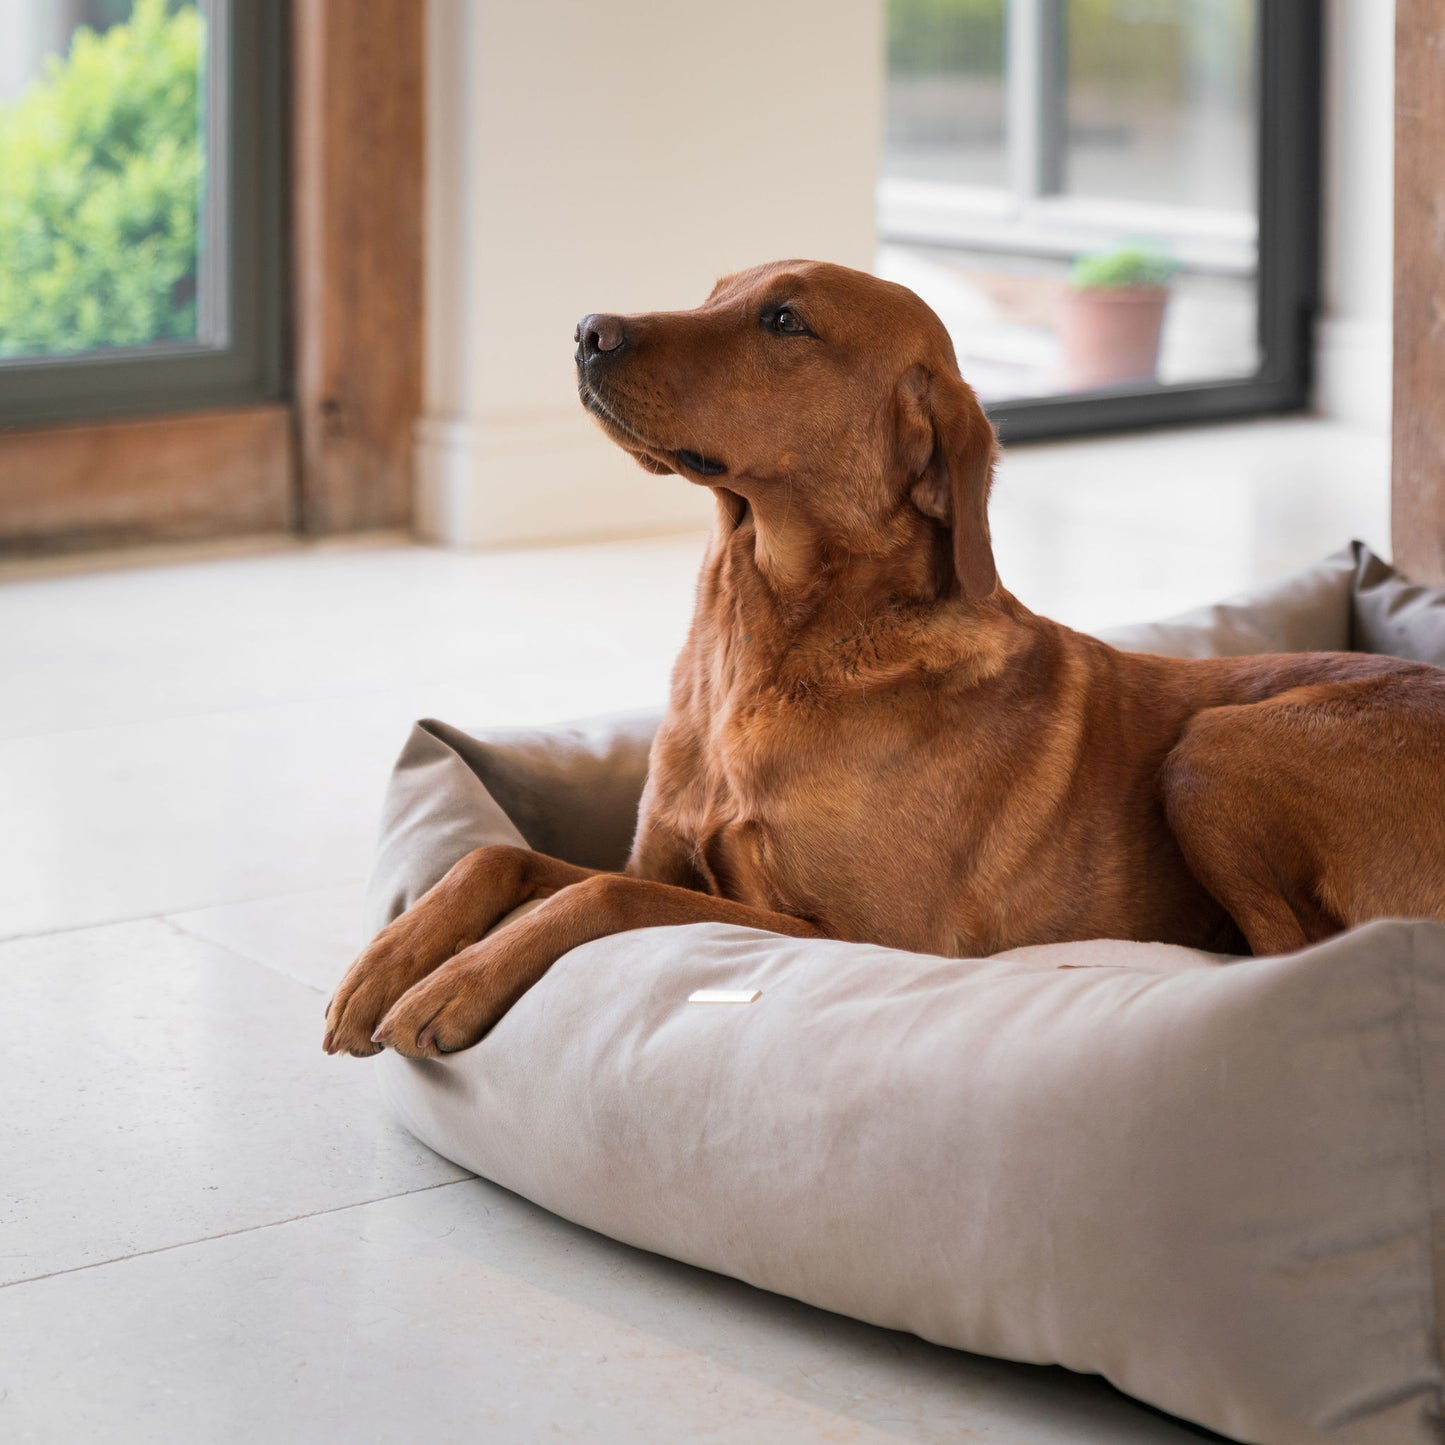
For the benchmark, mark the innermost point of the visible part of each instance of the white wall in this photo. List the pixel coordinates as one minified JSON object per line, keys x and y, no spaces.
{"x":614,"y":155}
{"x":620,"y":154}
{"x":1353,"y":340}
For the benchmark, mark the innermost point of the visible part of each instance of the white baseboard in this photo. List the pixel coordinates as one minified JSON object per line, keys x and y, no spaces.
{"x":1353,"y":371}
{"x":442,"y":452}
{"x":506,"y":481}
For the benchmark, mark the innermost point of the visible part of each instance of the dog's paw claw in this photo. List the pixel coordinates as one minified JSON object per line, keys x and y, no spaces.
{"x":411,"y":1030}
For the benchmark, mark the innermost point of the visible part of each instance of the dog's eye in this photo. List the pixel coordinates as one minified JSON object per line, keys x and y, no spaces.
{"x":786,"y":321}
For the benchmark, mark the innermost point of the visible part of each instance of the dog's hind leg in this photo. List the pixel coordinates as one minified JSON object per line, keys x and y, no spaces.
{"x":1252,"y":864}
{"x":1316,"y":810}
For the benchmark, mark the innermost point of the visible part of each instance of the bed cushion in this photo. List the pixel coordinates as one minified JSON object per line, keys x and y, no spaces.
{"x":1392,"y":615}
{"x":571,"y":791}
{"x":1218,"y":1183}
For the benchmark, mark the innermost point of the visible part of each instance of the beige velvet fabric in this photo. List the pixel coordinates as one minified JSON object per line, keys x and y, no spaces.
{"x":1309,"y":612}
{"x":571,"y":792}
{"x":1221,"y":1184}
{"x":1210,"y":1183}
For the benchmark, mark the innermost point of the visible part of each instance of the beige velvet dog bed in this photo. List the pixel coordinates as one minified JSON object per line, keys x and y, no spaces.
{"x":1220,"y":1184}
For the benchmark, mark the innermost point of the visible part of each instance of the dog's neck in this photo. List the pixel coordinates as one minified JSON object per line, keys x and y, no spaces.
{"x":802,"y":569}
{"x":859,"y":623}
{"x":891,"y":615}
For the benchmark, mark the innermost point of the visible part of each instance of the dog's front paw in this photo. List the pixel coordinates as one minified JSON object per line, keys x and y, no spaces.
{"x":448,"y":1011}
{"x":454,"y":1007}
{"x":395,"y":959}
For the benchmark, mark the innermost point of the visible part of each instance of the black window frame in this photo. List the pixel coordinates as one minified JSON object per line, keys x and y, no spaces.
{"x":1288,"y":90}
{"x":250,"y":365}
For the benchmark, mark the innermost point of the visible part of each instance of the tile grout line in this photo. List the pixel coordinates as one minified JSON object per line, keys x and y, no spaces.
{"x":169,"y":913}
{"x":231,"y":1233}
{"x":168,"y":921}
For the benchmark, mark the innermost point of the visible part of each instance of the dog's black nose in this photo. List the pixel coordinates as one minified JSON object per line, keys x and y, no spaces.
{"x":599,"y":336}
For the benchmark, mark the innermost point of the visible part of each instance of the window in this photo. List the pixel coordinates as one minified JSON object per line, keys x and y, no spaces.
{"x":140,"y":206}
{"x":1111,"y":203}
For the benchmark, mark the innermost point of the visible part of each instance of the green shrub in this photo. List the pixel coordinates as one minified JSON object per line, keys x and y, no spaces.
{"x":951,"y":36}
{"x":1128,"y":266}
{"x":1146,"y":49}
{"x":1160,"y":50}
{"x":100,"y":190}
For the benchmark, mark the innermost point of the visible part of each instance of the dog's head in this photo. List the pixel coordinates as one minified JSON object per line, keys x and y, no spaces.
{"x":822,"y":399}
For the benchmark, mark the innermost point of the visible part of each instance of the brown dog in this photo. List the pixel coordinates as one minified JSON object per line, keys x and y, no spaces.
{"x":868,"y":738}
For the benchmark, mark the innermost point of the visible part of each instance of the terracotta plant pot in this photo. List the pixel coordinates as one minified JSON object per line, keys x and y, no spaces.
{"x":1110,"y":335}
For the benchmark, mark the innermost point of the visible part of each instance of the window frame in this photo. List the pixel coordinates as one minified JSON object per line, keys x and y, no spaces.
{"x":1288,"y":81}
{"x":248,"y":150}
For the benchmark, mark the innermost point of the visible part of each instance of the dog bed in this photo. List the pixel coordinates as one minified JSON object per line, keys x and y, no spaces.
{"x":1220,"y":1184}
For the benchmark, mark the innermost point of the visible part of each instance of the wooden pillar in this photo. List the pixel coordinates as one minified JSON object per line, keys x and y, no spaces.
{"x":1417,"y":520}
{"x":357,"y":168}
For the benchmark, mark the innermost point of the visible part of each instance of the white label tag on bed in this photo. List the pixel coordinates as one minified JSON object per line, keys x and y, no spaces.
{"x":724,"y":995}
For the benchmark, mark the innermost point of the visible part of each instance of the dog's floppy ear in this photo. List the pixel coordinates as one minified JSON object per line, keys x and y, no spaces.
{"x":946,"y":449}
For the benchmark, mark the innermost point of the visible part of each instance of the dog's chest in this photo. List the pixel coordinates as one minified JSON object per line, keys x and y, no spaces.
{"x":817,"y":806}
{"x":886,"y":805}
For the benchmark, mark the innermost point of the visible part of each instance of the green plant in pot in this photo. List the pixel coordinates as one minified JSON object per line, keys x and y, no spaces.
{"x":1112,"y":317}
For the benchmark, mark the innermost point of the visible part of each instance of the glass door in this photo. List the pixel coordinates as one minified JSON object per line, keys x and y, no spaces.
{"x":1111,"y":203}
{"x":140,"y":154}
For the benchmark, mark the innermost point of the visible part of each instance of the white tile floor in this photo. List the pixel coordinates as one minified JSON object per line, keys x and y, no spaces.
{"x":208,"y":1230}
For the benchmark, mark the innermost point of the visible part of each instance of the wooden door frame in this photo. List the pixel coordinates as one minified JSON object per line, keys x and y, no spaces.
{"x":336,"y":455}
{"x":1417,"y":482}
{"x":358,"y":159}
